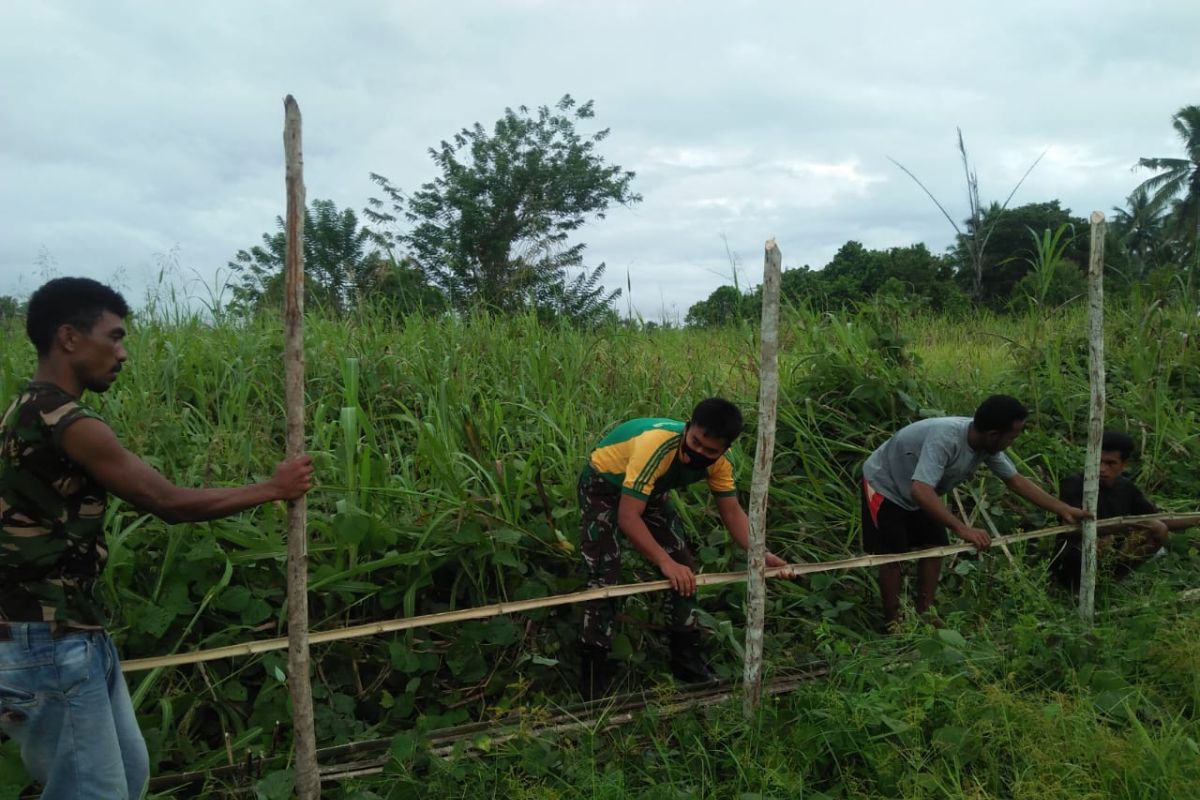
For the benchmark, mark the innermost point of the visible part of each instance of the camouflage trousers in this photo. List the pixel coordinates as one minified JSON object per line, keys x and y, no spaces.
{"x":600,"y":543}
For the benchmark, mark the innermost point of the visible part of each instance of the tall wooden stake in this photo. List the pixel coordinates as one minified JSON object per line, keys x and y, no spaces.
{"x":768,"y":392}
{"x":1091,"y":467}
{"x":308,"y":779}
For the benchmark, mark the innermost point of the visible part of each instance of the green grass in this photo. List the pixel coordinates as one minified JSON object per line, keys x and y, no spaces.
{"x":447,"y":451}
{"x":1014,"y":706}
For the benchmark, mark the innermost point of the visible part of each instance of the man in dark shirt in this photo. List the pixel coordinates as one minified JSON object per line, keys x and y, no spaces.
{"x":1122,"y":549}
{"x":62,"y":695}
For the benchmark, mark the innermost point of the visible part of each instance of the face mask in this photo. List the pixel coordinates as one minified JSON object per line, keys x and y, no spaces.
{"x":695,"y":460}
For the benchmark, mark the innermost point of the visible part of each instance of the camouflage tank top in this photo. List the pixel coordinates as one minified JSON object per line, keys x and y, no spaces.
{"x":52,"y":545}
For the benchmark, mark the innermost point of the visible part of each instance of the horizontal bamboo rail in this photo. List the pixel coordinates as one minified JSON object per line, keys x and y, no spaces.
{"x":607,"y":592}
{"x":339,"y":761}
{"x":345,"y":760}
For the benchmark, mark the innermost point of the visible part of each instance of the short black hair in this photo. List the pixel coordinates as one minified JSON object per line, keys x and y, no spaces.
{"x":718,"y":418}
{"x":998,"y":413}
{"x":78,"y":302}
{"x":1118,"y":442}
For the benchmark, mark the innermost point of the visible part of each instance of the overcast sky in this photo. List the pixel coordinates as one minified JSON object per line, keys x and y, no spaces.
{"x":136,"y":133}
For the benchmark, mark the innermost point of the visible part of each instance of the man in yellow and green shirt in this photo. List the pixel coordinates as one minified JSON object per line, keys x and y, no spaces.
{"x":625,"y":487}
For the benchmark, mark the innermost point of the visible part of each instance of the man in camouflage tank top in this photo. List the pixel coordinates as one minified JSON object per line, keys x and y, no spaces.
{"x":50,"y":558}
{"x":62,"y":695}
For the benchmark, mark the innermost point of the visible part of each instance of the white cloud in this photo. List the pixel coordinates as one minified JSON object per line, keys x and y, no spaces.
{"x":133,"y":129}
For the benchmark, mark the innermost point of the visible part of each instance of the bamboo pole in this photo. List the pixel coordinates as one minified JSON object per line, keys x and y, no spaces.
{"x":591,"y":713}
{"x":441,"y":741}
{"x":446,"y":742}
{"x":260,"y":646}
{"x":1186,"y":596}
{"x":1091,"y":465}
{"x":980,"y":510}
{"x":764,"y":452}
{"x":308,"y":778}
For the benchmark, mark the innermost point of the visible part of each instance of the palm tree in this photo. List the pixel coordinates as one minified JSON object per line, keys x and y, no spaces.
{"x":1139,"y":229}
{"x":1177,"y":184}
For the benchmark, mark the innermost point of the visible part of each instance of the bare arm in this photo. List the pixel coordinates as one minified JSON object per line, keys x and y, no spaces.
{"x":926,"y":498}
{"x":94,"y":446}
{"x":1030,"y":491}
{"x":738,"y":525}
{"x":629,"y":519}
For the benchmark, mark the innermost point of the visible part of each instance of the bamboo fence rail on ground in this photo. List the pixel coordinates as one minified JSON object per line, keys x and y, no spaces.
{"x":623,"y":590}
{"x":355,"y":759}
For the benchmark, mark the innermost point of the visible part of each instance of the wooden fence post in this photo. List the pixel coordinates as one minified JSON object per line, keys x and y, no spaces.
{"x":308,"y":779}
{"x":764,"y":451}
{"x":1091,"y":467}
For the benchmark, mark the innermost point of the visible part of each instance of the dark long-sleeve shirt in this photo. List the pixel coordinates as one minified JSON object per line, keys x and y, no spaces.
{"x":1121,"y":499}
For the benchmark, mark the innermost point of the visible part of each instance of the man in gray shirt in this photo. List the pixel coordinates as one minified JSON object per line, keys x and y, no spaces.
{"x":904,"y":478}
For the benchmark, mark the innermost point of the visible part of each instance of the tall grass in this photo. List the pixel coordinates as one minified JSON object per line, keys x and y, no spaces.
{"x":1020,"y":708}
{"x":447,"y":453}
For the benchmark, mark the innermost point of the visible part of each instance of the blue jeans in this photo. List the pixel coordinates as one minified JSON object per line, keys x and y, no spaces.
{"x":65,"y":702}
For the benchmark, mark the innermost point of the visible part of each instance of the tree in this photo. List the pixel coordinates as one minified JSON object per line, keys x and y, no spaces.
{"x":1139,"y":234}
{"x":909,"y":275}
{"x":1177,"y":184}
{"x":342,"y":266}
{"x":10,"y":307}
{"x":802,"y":285}
{"x":1009,"y":255}
{"x":492,"y":229}
{"x":855,"y":274}
{"x":581,"y":298}
{"x":397,"y":286}
{"x":925,"y":279}
{"x":724,"y":306}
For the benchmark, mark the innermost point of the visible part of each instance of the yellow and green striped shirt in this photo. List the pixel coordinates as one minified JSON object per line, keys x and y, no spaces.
{"x":641,"y":457}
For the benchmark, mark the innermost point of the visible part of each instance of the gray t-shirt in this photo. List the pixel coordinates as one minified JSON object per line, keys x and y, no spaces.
{"x":932,"y":451}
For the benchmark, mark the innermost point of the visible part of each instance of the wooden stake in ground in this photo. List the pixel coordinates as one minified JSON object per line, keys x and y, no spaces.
{"x":1091,"y":466}
{"x":308,"y":780}
{"x":764,"y":451}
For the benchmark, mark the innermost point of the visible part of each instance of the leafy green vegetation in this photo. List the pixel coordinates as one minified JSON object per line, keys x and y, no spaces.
{"x":1150,"y":251}
{"x":493,"y":229}
{"x":1172,"y":196}
{"x":448,"y":445}
{"x":343,"y":268}
{"x":448,"y":449}
{"x":1023,"y":706}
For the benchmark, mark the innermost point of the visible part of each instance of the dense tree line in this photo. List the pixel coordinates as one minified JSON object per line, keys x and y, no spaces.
{"x":494,"y":229}
{"x":1034,"y":254}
